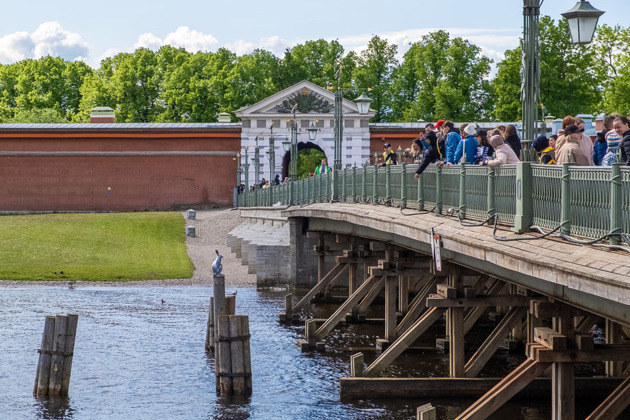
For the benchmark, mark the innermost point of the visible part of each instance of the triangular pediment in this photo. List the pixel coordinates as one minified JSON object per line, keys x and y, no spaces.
{"x":306,"y":96}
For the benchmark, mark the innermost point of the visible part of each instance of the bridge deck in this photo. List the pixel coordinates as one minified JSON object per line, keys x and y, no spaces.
{"x":593,"y":278}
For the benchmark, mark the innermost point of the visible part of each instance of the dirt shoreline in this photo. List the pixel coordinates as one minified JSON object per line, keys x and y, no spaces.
{"x":211,"y":229}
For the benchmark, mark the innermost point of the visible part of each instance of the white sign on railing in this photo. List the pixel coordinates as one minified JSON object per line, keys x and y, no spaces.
{"x":435,"y":250}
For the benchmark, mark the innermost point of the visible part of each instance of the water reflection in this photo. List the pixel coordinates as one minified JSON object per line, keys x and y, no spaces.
{"x":53,"y":408}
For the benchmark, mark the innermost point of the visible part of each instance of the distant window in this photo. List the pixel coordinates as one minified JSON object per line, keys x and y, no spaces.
{"x":364,"y":123}
{"x":319,"y":123}
{"x":261,"y":123}
{"x":349,"y":123}
{"x":247,"y":124}
{"x":276,"y":123}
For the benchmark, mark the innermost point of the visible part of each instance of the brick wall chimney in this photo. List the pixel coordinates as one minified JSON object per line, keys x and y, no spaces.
{"x":102,"y":114}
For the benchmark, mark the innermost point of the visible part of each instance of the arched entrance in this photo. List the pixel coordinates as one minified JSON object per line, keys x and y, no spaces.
{"x":308,"y":161}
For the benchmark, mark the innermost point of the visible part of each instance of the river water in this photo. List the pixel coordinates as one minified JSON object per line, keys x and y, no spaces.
{"x":137,"y":357}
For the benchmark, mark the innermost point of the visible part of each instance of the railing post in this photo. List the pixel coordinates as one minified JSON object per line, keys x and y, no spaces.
{"x":313,"y":190}
{"x":438,"y":190}
{"x":403,"y":186}
{"x":388,"y":185}
{"x":565,"y":214}
{"x":462,"y":190}
{"x":343,"y":186}
{"x":491,"y":204}
{"x":333,"y":186}
{"x":354,"y":183}
{"x":524,"y":212}
{"x":374,"y":186}
{"x":363,"y":186}
{"x":291,"y":188}
{"x":616,"y":218}
{"x":420,"y":193}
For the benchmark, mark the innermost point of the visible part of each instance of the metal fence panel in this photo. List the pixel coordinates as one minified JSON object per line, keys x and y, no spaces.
{"x":590,"y":201}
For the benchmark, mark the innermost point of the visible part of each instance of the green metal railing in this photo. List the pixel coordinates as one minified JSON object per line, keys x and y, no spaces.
{"x":590,"y":202}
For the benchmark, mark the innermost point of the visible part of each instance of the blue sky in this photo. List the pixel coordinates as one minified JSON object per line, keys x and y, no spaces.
{"x":93,"y":30}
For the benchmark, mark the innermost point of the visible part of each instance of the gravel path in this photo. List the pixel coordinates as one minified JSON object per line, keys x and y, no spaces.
{"x":211,"y":229}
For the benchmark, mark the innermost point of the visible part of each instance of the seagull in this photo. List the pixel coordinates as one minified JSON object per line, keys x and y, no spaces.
{"x":71,"y":284}
{"x":235,"y":292}
{"x":163,"y":301}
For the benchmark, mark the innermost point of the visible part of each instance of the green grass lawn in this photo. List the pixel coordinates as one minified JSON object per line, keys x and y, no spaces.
{"x":103,"y":246}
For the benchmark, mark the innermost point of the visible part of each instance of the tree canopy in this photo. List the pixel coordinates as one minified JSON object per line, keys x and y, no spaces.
{"x":438,"y":77}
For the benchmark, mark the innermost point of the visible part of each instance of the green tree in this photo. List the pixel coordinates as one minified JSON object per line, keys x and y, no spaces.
{"x":374,"y":70}
{"x":251,"y":79}
{"x":615,"y":70}
{"x":570,"y":75}
{"x":308,"y":159}
{"x":37,"y":115}
{"x":315,"y":61}
{"x":447,"y":79}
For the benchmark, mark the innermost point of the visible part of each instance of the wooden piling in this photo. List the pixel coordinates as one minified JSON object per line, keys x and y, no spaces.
{"x":55,"y":356}
{"x":230,"y":304}
{"x":218,"y":292}
{"x":210,"y":327}
{"x":45,"y":356}
{"x":233,"y":358}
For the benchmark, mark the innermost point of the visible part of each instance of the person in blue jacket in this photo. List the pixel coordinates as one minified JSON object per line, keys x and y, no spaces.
{"x":452,"y":141}
{"x":467,"y":146}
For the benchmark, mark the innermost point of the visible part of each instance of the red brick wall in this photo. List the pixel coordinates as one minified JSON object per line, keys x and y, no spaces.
{"x":397,"y":139}
{"x":85,"y":173}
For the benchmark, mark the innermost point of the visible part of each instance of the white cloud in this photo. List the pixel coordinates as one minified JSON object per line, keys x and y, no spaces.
{"x":191,"y":40}
{"x":149,"y":41}
{"x":48,"y":39}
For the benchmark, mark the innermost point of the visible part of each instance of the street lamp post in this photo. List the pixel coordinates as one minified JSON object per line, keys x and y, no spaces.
{"x":246,"y":168}
{"x":582,"y":20}
{"x":257,"y":163}
{"x":272,"y":155}
{"x":338,"y":120}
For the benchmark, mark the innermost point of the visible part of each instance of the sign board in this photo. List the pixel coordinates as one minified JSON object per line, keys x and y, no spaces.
{"x":435,"y":250}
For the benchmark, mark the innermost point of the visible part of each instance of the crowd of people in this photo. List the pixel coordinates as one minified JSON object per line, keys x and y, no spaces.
{"x":442,"y":144}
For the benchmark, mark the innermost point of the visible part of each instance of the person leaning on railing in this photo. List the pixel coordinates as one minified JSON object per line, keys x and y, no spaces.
{"x":572,"y":151}
{"x":622,"y":126}
{"x":433,"y":153}
{"x":503,"y":153}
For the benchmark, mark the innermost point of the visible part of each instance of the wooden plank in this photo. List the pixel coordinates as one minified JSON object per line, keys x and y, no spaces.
{"x":404,"y":341}
{"x":601,"y":352}
{"x":502,"y":300}
{"x":550,"y":339}
{"x":395,"y":272}
{"x":236,"y":355}
{"x":614,"y":404}
{"x":357,"y":363}
{"x":427,"y":388}
{"x":247,"y":356}
{"x":42,"y":376}
{"x":328,"y":278}
{"x":456,"y":354}
{"x":71,"y":335}
{"x":446,"y":291}
{"x":562,"y":391}
{"x":584,"y":342}
{"x":347,"y":306}
{"x":504,"y":390}
{"x":417,"y":305}
{"x":369,"y":298}
{"x":390,"y":308}
{"x":223,"y":359}
{"x":56,"y":363}
{"x":403,"y":294}
{"x":493,"y":342}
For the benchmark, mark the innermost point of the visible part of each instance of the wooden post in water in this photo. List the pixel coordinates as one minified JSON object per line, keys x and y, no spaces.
{"x":230,"y":304}
{"x":233,"y":357}
{"x":210,"y":327}
{"x":55,"y":356}
{"x":218,"y":291}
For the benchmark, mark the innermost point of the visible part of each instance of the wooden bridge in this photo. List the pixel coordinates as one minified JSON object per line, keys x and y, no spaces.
{"x":550,"y":287}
